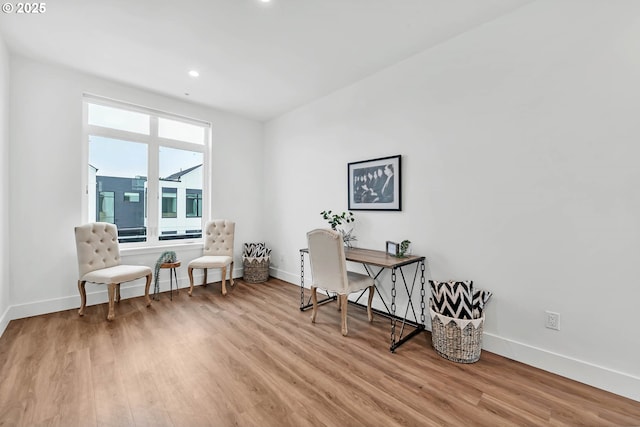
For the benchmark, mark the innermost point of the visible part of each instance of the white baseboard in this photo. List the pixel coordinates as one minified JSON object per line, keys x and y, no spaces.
{"x":285,"y":275}
{"x":601,"y":377}
{"x":97,"y":294}
{"x":4,"y":320}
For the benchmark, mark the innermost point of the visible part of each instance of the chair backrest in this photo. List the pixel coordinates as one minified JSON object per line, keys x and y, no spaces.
{"x":328,"y":264}
{"x":97,"y":246}
{"x":218,"y":237}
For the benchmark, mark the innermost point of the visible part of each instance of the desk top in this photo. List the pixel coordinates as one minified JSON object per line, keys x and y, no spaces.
{"x":377,"y":258}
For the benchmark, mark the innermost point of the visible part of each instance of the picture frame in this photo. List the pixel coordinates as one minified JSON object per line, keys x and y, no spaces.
{"x":375,"y":185}
{"x":392,"y":248}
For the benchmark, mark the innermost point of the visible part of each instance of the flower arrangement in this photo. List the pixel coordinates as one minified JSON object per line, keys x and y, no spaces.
{"x":335,"y":220}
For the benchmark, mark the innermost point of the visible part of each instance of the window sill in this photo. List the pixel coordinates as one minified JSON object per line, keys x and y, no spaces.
{"x":144,"y":250}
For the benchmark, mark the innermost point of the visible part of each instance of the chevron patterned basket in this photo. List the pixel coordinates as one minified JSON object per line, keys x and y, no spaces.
{"x":256,"y":270}
{"x":458,"y":340}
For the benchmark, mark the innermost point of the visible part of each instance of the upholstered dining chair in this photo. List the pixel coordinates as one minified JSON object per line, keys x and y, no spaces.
{"x":99,"y":262}
{"x":329,"y":272}
{"x":217,"y":252}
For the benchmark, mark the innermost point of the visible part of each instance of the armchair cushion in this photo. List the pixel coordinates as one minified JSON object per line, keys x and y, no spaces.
{"x":117,"y":274}
{"x":211,"y":261}
{"x":358,"y":282}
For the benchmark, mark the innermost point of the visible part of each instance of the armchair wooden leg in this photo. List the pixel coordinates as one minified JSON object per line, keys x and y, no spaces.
{"x":369,"y":312}
{"x":118,"y":293}
{"x":83,"y":297}
{"x":112,"y":293}
{"x":204,"y":281}
{"x":343,"y":303}
{"x":190,"y":272}
{"x":314,"y":299}
{"x":224,"y":280}
{"x":146,"y":290}
{"x":231,"y":274}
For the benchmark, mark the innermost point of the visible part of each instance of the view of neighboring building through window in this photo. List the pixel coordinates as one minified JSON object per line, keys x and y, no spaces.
{"x":132,"y":197}
{"x":147,"y":171}
{"x":106,"y":208}
{"x":169,"y":203}
{"x":194,"y":203}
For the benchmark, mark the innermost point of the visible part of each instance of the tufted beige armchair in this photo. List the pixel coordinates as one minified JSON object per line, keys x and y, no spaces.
{"x":217,"y":252}
{"x":329,"y":272}
{"x":99,"y":262}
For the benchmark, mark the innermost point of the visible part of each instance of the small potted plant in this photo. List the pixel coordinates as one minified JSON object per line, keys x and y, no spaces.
{"x":335,"y":220}
{"x":404,"y":248}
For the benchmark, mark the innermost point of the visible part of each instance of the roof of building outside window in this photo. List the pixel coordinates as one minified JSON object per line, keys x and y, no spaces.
{"x":176,"y":176}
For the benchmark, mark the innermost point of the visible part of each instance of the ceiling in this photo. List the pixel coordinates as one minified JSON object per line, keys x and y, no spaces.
{"x":255,"y":59}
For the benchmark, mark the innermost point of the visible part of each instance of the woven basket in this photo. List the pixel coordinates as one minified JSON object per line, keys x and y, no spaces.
{"x":256,"y":270}
{"x":458,"y":340}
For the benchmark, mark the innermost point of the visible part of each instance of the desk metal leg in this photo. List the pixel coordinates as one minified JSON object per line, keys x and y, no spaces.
{"x":422,"y":294}
{"x":375,"y":278}
{"x":393,"y":310}
{"x":397,"y":338}
{"x":420,"y":327}
{"x":301,"y":281}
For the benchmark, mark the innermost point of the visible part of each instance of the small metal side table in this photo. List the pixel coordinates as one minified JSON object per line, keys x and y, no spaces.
{"x":172,"y":273}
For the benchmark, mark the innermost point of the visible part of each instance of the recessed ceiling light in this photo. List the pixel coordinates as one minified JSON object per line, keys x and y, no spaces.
{"x":265,"y":1}
{"x":194,"y":73}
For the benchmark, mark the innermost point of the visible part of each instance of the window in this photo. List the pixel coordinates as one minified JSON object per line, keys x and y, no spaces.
{"x":117,"y":118}
{"x":169,"y":203}
{"x":138,"y":184}
{"x":194,"y":203}
{"x":132,"y":197}
{"x":180,"y":130}
{"x":140,"y":164}
{"x":106,"y":207}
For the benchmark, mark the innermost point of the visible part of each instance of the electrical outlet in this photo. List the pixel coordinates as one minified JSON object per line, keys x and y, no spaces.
{"x":552,"y":320}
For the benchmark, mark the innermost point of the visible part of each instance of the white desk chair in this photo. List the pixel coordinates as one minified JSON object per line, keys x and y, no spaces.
{"x":329,"y":272}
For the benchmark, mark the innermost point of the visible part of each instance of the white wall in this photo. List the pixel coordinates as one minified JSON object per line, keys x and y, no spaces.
{"x":46,"y":171}
{"x":520,"y":171}
{"x":4,"y":186}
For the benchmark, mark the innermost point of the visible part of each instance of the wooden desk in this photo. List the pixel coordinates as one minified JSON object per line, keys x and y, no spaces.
{"x":371,"y":259}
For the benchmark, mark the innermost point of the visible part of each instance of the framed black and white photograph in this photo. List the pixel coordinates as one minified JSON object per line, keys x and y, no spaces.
{"x":374,"y":185}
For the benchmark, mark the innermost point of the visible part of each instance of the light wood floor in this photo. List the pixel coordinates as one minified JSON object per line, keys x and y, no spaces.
{"x":253,"y":359}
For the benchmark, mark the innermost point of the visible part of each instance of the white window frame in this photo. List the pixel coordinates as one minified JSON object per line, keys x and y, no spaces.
{"x":154,"y":142}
